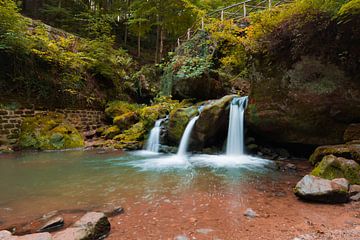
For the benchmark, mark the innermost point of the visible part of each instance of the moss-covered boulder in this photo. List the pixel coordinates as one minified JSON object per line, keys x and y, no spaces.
{"x":118,"y":108}
{"x":212,"y":125}
{"x":125,"y":120}
{"x":111,"y":132}
{"x":49,"y":132}
{"x":350,"y":151}
{"x":178,"y":120}
{"x":332,"y":167}
{"x":133,"y":138}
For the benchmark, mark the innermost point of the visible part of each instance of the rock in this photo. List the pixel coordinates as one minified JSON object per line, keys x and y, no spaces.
{"x":4,"y":234}
{"x":352,"y":132}
{"x":114,"y":212}
{"x":117,"y":108}
{"x":35,"y":236}
{"x":111,"y":132}
{"x":306,"y":102}
{"x":350,"y":151}
{"x":332,"y":167}
{"x":354,"y":189}
{"x":89,"y":134}
{"x":250,"y":213}
{"x":355,"y":197}
{"x":181,"y":237}
{"x":125,"y":120}
{"x":49,"y":131}
{"x":53,"y":224}
{"x":167,"y":149}
{"x":211,"y":127}
{"x":312,"y":188}
{"x":290,"y":166}
{"x":92,"y":225}
{"x":178,"y":120}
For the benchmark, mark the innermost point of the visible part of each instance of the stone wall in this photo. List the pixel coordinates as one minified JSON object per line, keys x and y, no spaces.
{"x":10,"y":121}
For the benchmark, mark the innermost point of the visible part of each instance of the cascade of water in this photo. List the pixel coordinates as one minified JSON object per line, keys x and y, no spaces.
{"x":235,"y":140}
{"x":154,"y":138}
{"x":186,"y":137}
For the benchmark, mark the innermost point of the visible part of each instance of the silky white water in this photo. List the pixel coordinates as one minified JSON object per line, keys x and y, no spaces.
{"x":235,"y":140}
{"x":153,"y":143}
{"x":186,"y":137}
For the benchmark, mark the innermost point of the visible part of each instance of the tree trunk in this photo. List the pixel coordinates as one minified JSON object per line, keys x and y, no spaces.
{"x":157,"y":39}
{"x":139,"y":40}
{"x":161,"y":43}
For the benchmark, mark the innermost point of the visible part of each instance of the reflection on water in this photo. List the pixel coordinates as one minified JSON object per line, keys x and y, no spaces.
{"x":32,"y":184}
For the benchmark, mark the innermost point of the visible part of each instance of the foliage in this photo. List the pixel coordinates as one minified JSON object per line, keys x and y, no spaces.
{"x":12,"y":27}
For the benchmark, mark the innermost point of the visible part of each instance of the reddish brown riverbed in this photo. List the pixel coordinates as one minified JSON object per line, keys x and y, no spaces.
{"x":218,"y":213}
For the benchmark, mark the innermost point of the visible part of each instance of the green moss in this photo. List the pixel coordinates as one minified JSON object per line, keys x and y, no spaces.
{"x":49,"y":132}
{"x":179,"y":118}
{"x":111,"y":132}
{"x":117,"y":108}
{"x":125,"y":120}
{"x":332,"y":167}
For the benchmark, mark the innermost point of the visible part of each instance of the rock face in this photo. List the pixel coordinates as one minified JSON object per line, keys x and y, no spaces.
{"x":351,"y":151}
{"x":93,"y":225}
{"x":49,"y":131}
{"x":212,"y":125}
{"x":332,"y":167}
{"x":352,"y":133}
{"x":311,"y":102}
{"x":316,"y":189}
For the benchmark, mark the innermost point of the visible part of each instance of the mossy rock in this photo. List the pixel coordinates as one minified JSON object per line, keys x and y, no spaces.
{"x":351,"y":151}
{"x":132,"y":137}
{"x":178,"y":120}
{"x":332,"y":167}
{"x":125,"y":120}
{"x":49,"y":132}
{"x":111,"y":132}
{"x":118,"y":108}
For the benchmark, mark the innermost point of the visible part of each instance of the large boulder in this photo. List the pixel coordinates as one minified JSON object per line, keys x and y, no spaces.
{"x":316,"y":189}
{"x":350,"y":151}
{"x":212,"y":125}
{"x":117,"y":108}
{"x":178,"y":120}
{"x":312,"y":102}
{"x":332,"y":167}
{"x":49,"y":131}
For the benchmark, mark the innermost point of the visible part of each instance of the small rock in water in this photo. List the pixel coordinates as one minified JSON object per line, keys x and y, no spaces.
{"x":53,"y":224}
{"x":181,"y":237}
{"x":204,"y":230}
{"x":355,"y":197}
{"x":35,"y":236}
{"x":114,"y":212}
{"x":250,"y":213}
{"x":290,"y":166}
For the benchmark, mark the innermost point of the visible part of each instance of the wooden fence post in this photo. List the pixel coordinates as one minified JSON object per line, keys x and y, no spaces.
{"x":188,"y":34}
{"x":244,"y":6}
{"x":222,"y":15}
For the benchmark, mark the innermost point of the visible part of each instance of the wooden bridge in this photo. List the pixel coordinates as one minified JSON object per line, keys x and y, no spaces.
{"x":237,"y":12}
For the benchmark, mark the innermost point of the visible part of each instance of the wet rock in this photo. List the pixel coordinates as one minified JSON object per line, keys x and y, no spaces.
{"x":312,"y":188}
{"x":354,"y":189}
{"x":125,"y":120}
{"x":350,"y":151}
{"x":53,"y":224}
{"x":167,"y":149}
{"x":93,"y":225}
{"x":211,"y":127}
{"x":352,"y":132}
{"x":181,"y":237}
{"x":250,"y":213}
{"x":355,"y":197}
{"x":252,"y":147}
{"x":114,"y":212}
{"x":332,"y":167}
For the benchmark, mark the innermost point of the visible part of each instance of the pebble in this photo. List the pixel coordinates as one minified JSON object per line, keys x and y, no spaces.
{"x":250,"y":213}
{"x":181,"y":237}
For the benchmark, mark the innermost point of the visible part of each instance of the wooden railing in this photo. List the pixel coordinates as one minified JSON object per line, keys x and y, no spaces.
{"x":237,"y":12}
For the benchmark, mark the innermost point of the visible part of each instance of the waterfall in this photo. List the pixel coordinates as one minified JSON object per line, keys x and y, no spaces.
{"x":235,"y":140}
{"x":153,"y":142}
{"x":186,"y":137}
